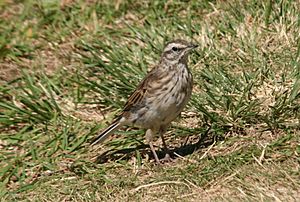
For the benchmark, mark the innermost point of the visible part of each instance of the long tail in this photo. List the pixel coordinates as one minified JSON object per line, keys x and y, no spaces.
{"x":104,"y":134}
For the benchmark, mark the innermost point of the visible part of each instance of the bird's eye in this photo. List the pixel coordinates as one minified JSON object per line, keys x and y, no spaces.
{"x":175,"y":48}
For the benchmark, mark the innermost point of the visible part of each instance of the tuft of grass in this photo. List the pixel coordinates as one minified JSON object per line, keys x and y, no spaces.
{"x":68,"y":67}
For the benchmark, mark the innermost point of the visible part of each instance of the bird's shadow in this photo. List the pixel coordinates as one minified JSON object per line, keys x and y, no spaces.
{"x":204,"y":141}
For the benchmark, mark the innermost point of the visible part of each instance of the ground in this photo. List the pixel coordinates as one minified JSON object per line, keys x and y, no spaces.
{"x":67,"y":68}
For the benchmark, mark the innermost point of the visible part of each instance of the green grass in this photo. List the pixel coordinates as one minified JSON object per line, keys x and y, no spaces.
{"x":67,"y":68}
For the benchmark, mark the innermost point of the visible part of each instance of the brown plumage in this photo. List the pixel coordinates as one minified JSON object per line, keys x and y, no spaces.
{"x":160,"y":96}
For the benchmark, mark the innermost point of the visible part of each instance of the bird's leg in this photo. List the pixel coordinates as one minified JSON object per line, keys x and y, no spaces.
{"x":149,"y":137}
{"x":166,"y":149}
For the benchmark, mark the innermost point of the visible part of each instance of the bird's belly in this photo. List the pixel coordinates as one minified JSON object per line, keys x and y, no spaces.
{"x":161,"y":110}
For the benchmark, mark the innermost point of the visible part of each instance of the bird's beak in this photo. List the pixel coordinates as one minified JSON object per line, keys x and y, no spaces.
{"x":192,"y":46}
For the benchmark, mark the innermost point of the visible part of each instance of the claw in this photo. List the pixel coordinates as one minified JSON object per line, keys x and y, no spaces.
{"x":167,"y":159}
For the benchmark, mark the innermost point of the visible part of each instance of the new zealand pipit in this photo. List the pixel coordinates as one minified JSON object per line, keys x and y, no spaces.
{"x":160,"y":97}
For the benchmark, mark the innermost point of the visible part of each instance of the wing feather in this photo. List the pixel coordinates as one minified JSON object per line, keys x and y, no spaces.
{"x":138,"y":95}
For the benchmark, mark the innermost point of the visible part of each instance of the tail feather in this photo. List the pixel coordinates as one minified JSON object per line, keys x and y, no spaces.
{"x":104,"y":134}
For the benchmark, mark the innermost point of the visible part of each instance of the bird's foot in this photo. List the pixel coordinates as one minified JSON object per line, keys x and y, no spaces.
{"x":167,"y":159}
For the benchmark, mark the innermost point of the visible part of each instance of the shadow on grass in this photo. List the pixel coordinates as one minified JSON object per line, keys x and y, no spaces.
{"x":204,"y":141}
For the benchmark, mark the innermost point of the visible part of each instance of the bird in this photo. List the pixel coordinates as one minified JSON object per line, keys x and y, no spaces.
{"x":159,"y":98}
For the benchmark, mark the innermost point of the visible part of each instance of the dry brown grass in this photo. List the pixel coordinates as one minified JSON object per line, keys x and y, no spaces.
{"x":251,"y":156}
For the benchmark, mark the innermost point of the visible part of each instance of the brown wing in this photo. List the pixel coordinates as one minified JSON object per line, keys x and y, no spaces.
{"x":137,"y":96}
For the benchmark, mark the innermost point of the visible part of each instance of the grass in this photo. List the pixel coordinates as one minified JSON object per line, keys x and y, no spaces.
{"x":67,"y":68}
